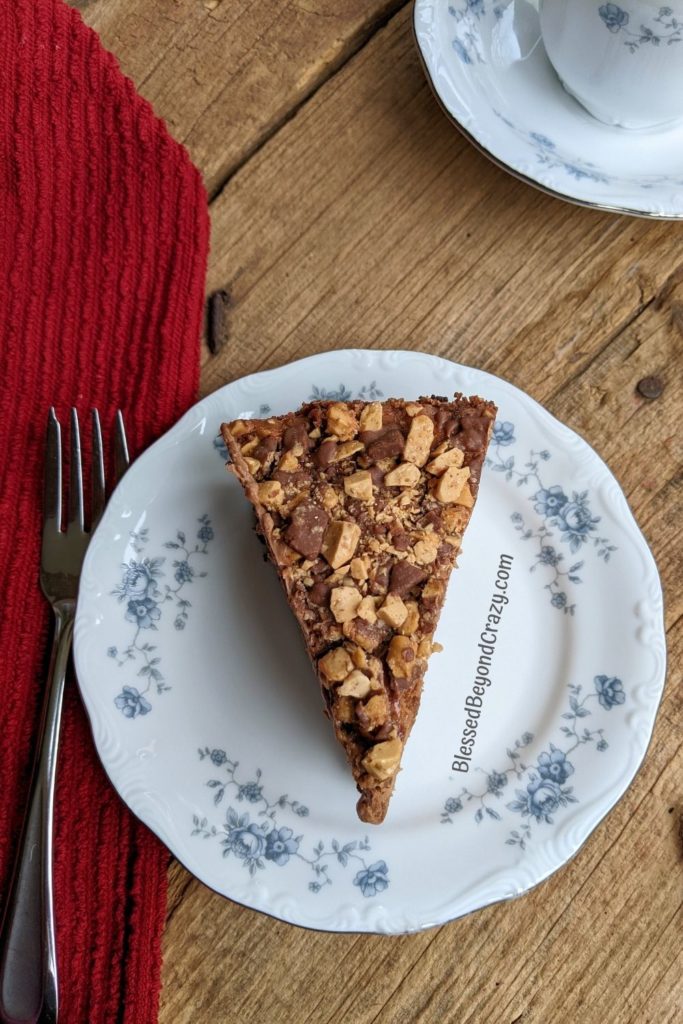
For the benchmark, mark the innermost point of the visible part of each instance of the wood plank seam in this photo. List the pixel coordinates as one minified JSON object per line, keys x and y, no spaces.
{"x":393,"y":7}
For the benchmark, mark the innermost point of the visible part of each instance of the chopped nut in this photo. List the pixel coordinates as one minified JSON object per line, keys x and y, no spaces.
{"x":393,"y":611}
{"x":359,"y":485}
{"x":452,"y":520}
{"x":449,"y":486}
{"x":315,"y":433}
{"x":344,"y":602}
{"x":434,"y":590}
{"x":419,"y":440}
{"x":285,"y":555}
{"x":426,"y":548}
{"x":340,"y":542}
{"x":253,"y":465}
{"x":424,"y":648}
{"x":345,"y":709}
{"x":358,"y":656}
{"x":341,"y":421}
{"x":436,"y":648}
{"x":440,"y":464}
{"x":329,"y":497}
{"x":413,"y":409}
{"x":405,"y":475}
{"x":248,"y":446}
{"x":355,"y":685}
{"x":465,"y":499}
{"x":270,"y":493}
{"x":358,"y":569}
{"x":239,"y":427}
{"x":288,"y":463}
{"x":382,"y":760}
{"x":371,"y":417}
{"x":412,"y":619}
{"x":374,"y":713}
{"x":443,"y":447}
{"x":336,"y":665}
{"x":400,"y":656}
{"x":346,"y":449}
{"x":367,"y":609}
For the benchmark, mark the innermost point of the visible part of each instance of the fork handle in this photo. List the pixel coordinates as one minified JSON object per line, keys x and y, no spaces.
{"x":28,"y":962}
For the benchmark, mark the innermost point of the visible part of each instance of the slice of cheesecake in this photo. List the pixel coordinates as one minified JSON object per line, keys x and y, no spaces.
{"x":363,"y":507}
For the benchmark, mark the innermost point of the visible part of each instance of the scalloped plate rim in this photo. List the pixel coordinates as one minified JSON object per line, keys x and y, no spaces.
{"x":618,"y":206}
{"x":379,"y":919}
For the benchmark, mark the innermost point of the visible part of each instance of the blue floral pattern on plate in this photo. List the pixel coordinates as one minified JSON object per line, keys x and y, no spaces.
{"x":666,"y":27}
{"x":568,"y":514}
{"x":264,"y":840}
{"x":549,"y":156}
{"x":466,"y":43}
{"x":545,"y":789}
{"x":368,"y":393}
{"x":145,"y":598}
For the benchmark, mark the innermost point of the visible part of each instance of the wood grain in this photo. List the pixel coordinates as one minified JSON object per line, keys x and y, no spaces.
{"x":224,"y":74}
{"x":353,"y":214}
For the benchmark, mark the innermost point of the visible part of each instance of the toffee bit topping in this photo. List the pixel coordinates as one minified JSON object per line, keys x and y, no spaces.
{"x":362,"y":506}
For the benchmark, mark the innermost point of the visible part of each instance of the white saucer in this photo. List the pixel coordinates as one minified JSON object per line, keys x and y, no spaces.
{"x":487,"y":65}
{"x":208,"y":719}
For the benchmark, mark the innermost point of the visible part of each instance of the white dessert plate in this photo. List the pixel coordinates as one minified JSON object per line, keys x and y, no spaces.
{"x":208,"y":719}
{"x":486,"y":63}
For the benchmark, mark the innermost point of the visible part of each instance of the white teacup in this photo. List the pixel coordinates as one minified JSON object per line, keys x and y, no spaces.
{"x":622,"y":61}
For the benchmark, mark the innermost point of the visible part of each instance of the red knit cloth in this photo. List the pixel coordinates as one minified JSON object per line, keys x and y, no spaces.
{"x":103,"y":243}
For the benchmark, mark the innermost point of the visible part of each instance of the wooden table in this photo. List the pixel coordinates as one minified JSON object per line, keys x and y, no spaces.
{"x":347,"y":211}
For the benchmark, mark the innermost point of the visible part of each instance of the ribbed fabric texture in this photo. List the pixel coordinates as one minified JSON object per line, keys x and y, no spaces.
{"x":103,"y":243}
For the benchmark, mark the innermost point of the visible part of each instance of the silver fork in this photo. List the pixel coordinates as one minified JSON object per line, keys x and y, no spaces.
{"x":28,"y":963}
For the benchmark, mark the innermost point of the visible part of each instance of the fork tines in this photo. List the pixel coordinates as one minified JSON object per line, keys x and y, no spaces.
{"x":53,"y":471}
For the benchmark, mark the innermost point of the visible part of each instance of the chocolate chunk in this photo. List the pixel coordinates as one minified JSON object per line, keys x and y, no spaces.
{"x":377,"y":474}
{"x":445,"y":554}
{"x":265,"y":448}
{"x":475,"y":472}
{"x":474,"y":430}
{"x":325,"y":454}
{"x":306,"y":530}
{"x":368,"y":635}
{"x":297,"y":480}
{"x":297,"y":433}
{"x":401,"y":540}
{"x":405,"y":576}
{"x":319,"y":593}
{"x":445,"y":425}
{"x":384,"y":443}
{"x":433,"y":518}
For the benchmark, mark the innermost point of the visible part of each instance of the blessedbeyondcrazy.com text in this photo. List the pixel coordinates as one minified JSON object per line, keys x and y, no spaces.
{"x":488,"y":637}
